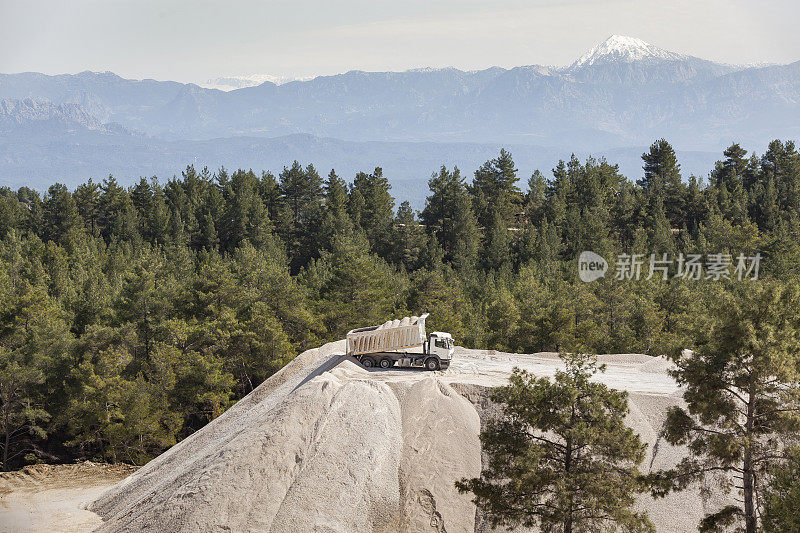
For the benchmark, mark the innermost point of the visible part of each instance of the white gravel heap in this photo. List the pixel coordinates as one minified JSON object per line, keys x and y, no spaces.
{"x":326,"y":445}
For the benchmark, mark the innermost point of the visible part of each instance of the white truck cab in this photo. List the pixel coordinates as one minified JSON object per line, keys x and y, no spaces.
{"x":441,"y":344}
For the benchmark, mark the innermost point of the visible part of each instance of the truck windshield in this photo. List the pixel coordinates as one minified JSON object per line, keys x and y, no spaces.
{"x":443,"y":343}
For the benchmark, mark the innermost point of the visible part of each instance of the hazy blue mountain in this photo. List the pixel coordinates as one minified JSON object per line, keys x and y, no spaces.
{"x":619,"y":96}
{"x":36,"y":119}
{"x":41,"y":143}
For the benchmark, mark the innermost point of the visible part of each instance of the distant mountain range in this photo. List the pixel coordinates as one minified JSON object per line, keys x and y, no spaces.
{"x":617,"y":98}
{"x":230,"y":83}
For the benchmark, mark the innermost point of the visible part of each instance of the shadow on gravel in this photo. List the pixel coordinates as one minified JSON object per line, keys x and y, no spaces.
{"x":331,"y":362}
{"x":335,"y":360}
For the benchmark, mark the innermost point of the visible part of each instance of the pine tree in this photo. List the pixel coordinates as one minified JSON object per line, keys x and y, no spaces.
{"x":11,"y":212}
{"x":61,"y":218}
{"x":376,"y":213}
{"x":20,"y":418}
{"x":497,"y":249}
{"x":210,"y":215}
{"x":494,"y":188}
{"x":780,"y":167}
{"x":175,"y":231}
{"x":33,"y":220}
{"x":302,"y":191}
{"x":118,"y":217}
{"x":535,"y":198}
{"x":659,"y":230}
{"x":246,"y":217}
{"x":696,"y":206}
{"x":410,"y":238}
{"x":145,"y":300}
{"x":466,"y":235}
{"x":742,"y":384}
{"x":590,"y":189}
{"x":34,"y":342}
{"x":87,"y":200}
{"x":141,"y":196}
{"x":502,"y":316}
{"x":440,"y":205}
{"x":260,"y":345}
{"x":625,"y":215}
{"x":335,"y":194}
{"x":560,"y":456}
{"x":662,"y":180}
{"x":448,"y":214}
{"x":732,"y":170}
{"x":355,"y":207}
{"x":262,"y":275}
{"x":442,"y":294}
{"x":336,"y":222}
{"x":358,"y":287}
{"x":270,"y":192}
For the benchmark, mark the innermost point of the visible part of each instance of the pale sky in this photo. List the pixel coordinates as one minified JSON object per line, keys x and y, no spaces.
{"x":192,"y":41}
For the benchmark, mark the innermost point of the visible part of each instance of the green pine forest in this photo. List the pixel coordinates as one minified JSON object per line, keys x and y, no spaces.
{"x":132,"y":316}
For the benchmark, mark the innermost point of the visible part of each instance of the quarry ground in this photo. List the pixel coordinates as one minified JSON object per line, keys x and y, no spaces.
{"x":52,"y":498}
{"x":326,"y":445}
{"x":634,"y":373}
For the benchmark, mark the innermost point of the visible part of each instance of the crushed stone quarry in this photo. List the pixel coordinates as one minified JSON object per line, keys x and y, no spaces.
{"x":52,"y":498}
{"x":327,"y":445}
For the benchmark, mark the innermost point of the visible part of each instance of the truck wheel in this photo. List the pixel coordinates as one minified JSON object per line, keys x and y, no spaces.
{"x":367,"y":362}
{"x":431,"y":363}
{"x":386,"y":363}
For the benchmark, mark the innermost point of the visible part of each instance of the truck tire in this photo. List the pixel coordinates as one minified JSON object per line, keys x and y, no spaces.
{"x":367,"y":362}
{"x":431,"y":363}
{"x":386,"y":363}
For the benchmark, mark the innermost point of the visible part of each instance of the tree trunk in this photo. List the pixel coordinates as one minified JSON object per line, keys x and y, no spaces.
{"x":7,"y":429}
{"x":749,"y":510}
{"x":748,"y":485}
{"x":567,"y":469}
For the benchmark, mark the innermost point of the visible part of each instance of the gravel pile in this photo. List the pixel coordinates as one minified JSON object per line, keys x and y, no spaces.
{"x":326,"y":445}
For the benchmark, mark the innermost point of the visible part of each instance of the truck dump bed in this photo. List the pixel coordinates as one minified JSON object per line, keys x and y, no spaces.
{"x":408,"y":332}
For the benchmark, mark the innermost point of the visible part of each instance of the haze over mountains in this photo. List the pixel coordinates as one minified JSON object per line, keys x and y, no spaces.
{"x":614,"y":101}
{"x":230,"y":83}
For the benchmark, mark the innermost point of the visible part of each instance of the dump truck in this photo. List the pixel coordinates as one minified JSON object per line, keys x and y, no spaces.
{"x":401,"y":343}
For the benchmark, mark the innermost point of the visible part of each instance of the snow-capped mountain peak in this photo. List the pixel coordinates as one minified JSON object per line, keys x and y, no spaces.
{"x":620,"y":48}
